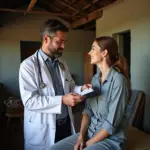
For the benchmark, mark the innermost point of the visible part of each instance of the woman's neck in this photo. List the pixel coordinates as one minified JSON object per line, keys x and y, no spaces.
{"x":104,"y":69}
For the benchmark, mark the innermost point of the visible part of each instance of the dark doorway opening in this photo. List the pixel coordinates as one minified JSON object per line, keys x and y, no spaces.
{"x":124,"y":43}
{"x":127,"y":47}
{"x":28,"y":48}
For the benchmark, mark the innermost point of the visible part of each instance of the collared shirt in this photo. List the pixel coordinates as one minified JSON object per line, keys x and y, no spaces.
{"x":53,"y":67}
{"x":108,"y":109}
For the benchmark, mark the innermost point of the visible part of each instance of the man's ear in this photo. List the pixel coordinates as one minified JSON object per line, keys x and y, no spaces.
{"x":45,"y":38}
{"x":105,"y":53}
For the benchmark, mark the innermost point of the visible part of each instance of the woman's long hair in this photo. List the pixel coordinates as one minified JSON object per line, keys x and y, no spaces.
{"x":109,"y":43}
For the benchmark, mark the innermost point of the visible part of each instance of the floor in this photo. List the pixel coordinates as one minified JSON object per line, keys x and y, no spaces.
{"x":11,"y":135}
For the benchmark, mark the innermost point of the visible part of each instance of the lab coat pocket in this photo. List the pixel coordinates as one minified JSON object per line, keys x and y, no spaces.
{"x":38,"y":135}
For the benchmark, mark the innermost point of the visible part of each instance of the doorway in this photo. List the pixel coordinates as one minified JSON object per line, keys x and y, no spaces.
{"x":124,"y":43}
{"x":28,"y":48}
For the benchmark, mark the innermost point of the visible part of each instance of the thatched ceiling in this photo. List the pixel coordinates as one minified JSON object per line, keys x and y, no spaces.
{"x":81,"y":14}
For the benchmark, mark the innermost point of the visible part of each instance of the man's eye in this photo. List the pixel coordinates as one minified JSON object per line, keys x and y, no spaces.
{"x":57,"y":42}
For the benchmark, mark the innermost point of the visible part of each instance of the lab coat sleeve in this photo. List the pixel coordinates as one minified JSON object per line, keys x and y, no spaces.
{"x":29,"y":91}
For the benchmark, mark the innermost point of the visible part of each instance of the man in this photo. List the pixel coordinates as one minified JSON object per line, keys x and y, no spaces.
{"x":45,"y":82}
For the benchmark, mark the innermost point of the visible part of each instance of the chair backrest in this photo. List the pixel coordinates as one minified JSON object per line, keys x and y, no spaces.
{"x":135,"y":110}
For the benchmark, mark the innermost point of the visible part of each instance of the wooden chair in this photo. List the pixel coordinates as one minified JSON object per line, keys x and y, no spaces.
{"x":137,"y":138}
{"x":14,"y":110}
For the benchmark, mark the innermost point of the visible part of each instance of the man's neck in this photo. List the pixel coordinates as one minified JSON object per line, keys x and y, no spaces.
{"x":46,"y":51}
{"x":48,"y":54}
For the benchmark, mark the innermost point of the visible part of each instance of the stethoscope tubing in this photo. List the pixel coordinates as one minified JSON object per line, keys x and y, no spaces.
{"x":41,"y":83}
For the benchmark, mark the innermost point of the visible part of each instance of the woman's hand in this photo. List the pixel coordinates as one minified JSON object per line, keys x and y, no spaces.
{"x":80,"y":143}
{"x":86,"y":86}
{"x":90,"y":142}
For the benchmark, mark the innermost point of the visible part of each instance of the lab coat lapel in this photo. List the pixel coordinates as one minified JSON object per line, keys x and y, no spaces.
{"x":62,"y":73}
{"x":45,"y":72}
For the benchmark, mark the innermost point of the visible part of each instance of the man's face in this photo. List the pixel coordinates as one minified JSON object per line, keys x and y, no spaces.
{"x":55,"y":44}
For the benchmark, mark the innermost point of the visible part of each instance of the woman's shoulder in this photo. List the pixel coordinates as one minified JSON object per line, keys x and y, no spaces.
{"x":118,"y":78}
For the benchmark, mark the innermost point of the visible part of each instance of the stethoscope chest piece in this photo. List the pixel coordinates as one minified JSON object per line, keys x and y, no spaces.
{"x":42,"y":85}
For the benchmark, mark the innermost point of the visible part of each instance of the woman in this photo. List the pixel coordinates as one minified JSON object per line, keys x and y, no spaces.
{"x":104,"y":114}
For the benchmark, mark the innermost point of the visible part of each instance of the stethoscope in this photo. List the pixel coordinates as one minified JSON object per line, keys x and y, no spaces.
{"x":41,"y":83}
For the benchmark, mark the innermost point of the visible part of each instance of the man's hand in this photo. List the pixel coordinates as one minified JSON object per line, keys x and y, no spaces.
{"x":80,"y":145}
{"x":90,"y":142}
{"x":72,"y":99}
{"x":86,"y":86}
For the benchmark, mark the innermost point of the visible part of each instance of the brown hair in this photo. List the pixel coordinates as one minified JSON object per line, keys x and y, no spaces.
{"x":119,"y":62}
{"x":109,"y":44}
{"x":122,"y":64}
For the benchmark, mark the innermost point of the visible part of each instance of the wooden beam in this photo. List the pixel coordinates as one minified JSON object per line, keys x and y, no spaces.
{"x":59,"y":10}
{"x":31,"y":5}
{"x":71,"y":7}
{"x":34,"y":12}
{"x":92,"y":16}
{"x":89,"y":5}
{"x":55,"y":8}
{"x":73,"y":2}
{"x":86,"y":7}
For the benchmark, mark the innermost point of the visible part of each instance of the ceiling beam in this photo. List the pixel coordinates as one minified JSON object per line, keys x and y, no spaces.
{"x":89,"y":5}
{"x":73,"y":2}
{"x":31,"y":5}
{"x":86,"y":7}
{"x":55,"y":8}
{"x":34,"y":12}
{"x":71,"y":7}
{"x":90,"y":17}
{"x":58,"y":9}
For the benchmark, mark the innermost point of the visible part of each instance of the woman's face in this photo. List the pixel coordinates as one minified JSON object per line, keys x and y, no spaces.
{"x":96,"y":53}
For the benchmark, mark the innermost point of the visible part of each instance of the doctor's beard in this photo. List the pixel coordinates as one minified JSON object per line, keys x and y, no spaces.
{"x":57,"y":52}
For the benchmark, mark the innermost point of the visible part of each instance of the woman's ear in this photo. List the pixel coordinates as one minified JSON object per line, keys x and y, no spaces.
{"x":105,"y":52}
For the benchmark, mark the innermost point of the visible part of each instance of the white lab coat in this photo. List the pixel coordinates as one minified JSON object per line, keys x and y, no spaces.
{"x":41,"y":105}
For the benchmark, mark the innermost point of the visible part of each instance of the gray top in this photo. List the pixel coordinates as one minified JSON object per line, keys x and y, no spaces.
{"x":107,"y":110}
{"x":53,"y":67}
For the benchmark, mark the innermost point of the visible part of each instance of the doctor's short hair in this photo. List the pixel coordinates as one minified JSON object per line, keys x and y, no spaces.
{"x":49,"y":27}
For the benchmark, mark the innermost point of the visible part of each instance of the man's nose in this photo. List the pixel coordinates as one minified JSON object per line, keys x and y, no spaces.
{"x":62,"y":46}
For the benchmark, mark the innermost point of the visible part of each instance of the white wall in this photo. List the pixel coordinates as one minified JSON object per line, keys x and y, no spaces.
{"x":133,"y":15}
{"x":26,"y":28}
